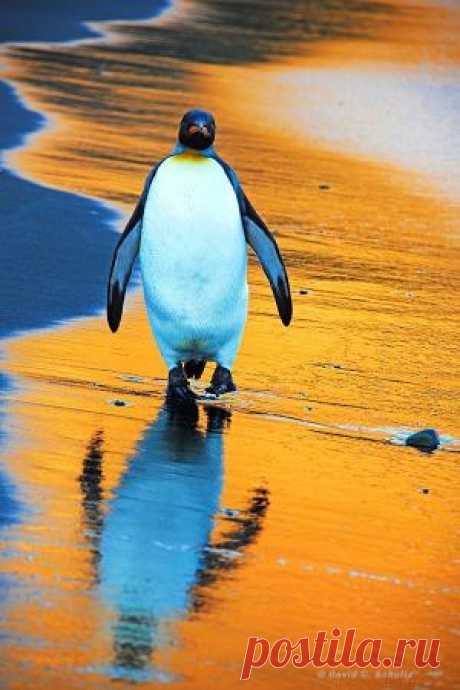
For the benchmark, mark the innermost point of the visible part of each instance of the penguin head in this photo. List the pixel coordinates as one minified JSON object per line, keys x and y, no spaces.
{"x":197,"y":130}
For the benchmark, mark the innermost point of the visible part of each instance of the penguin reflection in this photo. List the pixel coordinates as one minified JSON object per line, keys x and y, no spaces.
{"x":158,"y":524}
{"x":151,"y":551}
{"x":92,"y":494}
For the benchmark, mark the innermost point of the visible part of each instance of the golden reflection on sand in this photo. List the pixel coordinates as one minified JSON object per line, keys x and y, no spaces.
{"x":420,"y":32}
{"x":348,"y":539}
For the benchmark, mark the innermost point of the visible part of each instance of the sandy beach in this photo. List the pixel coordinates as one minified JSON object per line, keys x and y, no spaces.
{"x":141,"y":547}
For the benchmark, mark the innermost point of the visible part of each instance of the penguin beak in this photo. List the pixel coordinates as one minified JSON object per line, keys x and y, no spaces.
{"x":195,"y":129}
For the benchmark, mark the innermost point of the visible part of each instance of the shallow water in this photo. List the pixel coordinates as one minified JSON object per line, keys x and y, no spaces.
{"x":146,"y":547}
{"x":407,"y":117}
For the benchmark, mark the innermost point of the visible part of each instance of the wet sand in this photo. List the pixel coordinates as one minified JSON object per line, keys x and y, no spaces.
{"x":150,"y":548}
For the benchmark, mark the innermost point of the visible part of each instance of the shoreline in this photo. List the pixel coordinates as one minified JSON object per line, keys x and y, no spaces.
{"x":93,"y":22}
{"x":24,"y":124}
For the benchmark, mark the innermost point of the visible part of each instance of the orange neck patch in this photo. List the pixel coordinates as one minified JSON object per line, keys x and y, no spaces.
{"x":190,"y":157}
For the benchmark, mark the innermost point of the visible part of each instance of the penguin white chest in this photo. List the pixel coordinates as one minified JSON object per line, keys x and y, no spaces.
{"x":194,"y":261}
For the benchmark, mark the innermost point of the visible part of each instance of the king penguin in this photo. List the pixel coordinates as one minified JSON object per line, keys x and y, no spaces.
{"x":190,"y":227}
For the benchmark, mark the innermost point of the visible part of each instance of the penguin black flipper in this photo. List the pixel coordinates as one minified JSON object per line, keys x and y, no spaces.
{"x":124,"y":256}
{"x":259,"y":237}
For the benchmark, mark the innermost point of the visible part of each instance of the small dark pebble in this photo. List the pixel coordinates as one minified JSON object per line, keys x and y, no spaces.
{"x":230,"y":512}
{"x":427,"y":440}
{"x":423,"y":490}
{"x":324,"y":186}
{"x":304,"y":291}
{"x":119,"y":403}
{"x":132,"y":378}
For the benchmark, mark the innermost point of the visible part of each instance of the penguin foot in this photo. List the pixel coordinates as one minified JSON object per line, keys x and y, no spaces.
{"x":179,"y":391}
{"x":221,"y":382}
{"x":194,"y":368}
